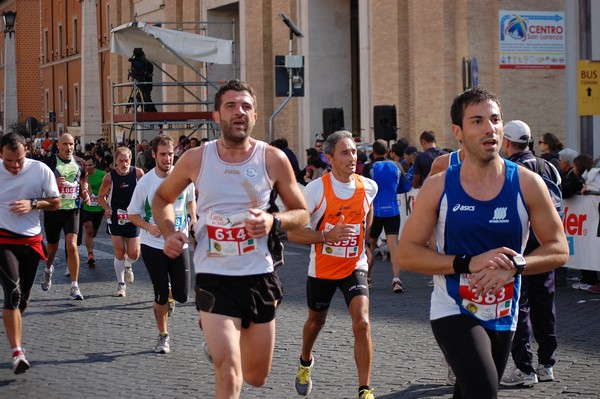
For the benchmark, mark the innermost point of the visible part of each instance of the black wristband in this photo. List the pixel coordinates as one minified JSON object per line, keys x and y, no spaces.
{"x":461,"y":264}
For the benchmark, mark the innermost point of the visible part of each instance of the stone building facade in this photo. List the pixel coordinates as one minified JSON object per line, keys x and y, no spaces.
{"x":358,"y":54}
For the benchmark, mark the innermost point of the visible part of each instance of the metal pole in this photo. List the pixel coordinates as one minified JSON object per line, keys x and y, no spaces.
{"x":290,"y":91}
{"x":586,"y":123}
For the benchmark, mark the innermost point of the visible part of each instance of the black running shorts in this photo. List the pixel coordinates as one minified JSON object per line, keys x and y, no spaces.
{"x":253,"y":298}
{"x":319,"y":291}
{"x":61,"y":220}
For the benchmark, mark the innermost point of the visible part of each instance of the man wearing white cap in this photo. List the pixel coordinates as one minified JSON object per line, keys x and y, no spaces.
{"x":536,"y":304}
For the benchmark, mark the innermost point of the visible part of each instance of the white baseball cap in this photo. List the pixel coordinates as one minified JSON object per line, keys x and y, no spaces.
{"x":517,"y":131}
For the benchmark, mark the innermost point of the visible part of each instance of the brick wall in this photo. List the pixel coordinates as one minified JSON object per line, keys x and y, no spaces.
{"x":27,"y":27}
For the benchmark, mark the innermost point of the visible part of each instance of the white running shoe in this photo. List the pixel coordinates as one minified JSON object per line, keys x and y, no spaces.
{"x":545,"y":373}
{"x":129,"y":277}
{"x":46,"y":281}
{"x":162,"y":346}
{"x":121,"y":291}
{"x":517,"y":377}
{"x":75,"y":294}
{"x":20,"y":364}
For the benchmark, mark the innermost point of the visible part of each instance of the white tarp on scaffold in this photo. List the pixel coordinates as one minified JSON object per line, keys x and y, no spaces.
{"x":170,"y":46}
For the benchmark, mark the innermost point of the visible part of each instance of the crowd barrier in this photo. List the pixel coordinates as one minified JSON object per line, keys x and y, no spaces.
{"x":582,"y":227}
{"x":581,"y":224}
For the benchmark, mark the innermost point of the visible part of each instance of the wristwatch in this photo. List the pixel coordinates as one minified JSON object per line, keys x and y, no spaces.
{"x":520,"y":263}
{"x":33,"y":203}
{"x":276,"y":224}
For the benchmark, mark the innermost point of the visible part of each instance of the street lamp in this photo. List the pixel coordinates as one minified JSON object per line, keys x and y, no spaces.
{"x":9,"y":22}
{"x":11,"y":112}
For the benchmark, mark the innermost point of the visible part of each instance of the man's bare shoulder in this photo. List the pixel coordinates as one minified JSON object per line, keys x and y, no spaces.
{"x":433,"y":187}
{"x":439,"y":164}
{"x":276,"y":161}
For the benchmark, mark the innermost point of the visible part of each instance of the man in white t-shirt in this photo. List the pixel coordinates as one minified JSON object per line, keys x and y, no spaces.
{"x":168,"y":276}
{"x":28,"y":186}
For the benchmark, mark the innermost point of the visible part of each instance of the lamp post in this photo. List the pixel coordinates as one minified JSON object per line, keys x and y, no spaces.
{"x":11,"y":112}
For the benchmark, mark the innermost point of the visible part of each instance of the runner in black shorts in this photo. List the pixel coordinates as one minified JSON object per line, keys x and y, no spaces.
{"x":234,"y":175}
{"x":341,"y":206}
{"x":319,"y":292}
{"x":118,"y":186}
{"x":71,"y":179}
{"x":91,"y":215}
{"x":170,"y":276}
{"x":253,"y":299}
{"x":28,"y":186}
{"x":386,"y":211}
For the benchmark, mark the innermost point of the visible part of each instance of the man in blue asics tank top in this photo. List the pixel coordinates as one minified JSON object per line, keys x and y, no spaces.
{"x":481,"y":211}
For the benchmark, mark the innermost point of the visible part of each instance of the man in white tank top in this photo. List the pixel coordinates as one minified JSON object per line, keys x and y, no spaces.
{"x":237,"y":288}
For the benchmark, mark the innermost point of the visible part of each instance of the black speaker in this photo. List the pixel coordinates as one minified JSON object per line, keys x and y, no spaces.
{"x":333,"y":120}
{"x":385,"y":122}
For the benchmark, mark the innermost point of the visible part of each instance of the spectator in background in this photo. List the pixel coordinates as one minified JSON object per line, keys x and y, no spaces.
{"x":571,"y":182}
{"x":78,"y":151}
{"x":54,"y":147}
{"x":550,"y":145}
{"x":310,"y":152}
{"x":424,"y":160}
{"x":89,"y":149}
{"x":194,"y":142}
{"x":565,"y":159}
{"x":282,"y":144}
{"x":108,"y":161}
{"x":319,"y":147}
{"x":397,"y":153}
{"x":181,"y":146}
{"x":47,"y":143}
{"x":409,"y":162}
{"x":141,"y":159}
{"x":570,"y":185}
{"x":592,"y":181}
{"x":537,"y":311}
{"x":315,"y":168}
{"x":361,"y":159}
{"x":99,"y":157}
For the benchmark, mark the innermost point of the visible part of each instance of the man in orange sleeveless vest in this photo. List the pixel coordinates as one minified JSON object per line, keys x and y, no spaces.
{"x":341,"y":205}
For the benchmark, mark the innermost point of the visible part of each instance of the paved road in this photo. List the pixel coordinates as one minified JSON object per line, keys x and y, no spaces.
{"x":102,"y":347}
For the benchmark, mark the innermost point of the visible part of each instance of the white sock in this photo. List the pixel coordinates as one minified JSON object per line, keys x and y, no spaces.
{"x":120,"y":270}
{"x":128,"y":261}
{"x":74,"y":284}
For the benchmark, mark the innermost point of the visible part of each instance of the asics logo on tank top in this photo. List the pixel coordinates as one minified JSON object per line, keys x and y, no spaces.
{"x":500,"y":215}
{"x":463,"y":208}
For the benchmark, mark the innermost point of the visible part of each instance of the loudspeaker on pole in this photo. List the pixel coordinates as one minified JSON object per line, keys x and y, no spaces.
{"x":385,"y":122}
{"x":333,"y":120}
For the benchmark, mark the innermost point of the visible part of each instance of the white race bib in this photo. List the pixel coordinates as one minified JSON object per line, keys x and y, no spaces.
{"x":228,"y":235}
{"x":345,"y":248}
{"x":486,"y":307}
